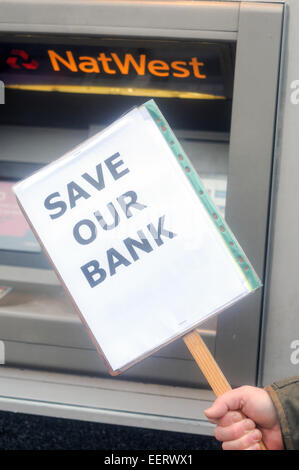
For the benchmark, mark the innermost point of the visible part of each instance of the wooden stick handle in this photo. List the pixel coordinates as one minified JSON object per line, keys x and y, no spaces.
{"x":209,"y":367}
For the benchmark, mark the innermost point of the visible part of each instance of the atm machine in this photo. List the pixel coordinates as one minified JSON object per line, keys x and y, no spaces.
{"x":69,"y":69}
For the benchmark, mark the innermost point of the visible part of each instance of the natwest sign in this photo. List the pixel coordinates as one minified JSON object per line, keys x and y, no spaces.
{"x":117,"y":65}
{"x":113,"y":64}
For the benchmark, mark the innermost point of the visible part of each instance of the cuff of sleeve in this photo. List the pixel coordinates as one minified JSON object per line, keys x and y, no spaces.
{"x":285,"y":396}
{"x":284,"y":426}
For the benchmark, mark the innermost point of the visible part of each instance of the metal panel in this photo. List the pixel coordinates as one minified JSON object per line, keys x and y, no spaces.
{"x":122,"y":18}
{"x":105,"y":400}
{"x":280,"y":356}
{"x":250,"y":165}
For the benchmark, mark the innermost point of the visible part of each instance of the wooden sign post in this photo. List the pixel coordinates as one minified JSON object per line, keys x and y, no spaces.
{"x":207,"y":364}
{"x":123,"y":218}
{"x":209,"y":367}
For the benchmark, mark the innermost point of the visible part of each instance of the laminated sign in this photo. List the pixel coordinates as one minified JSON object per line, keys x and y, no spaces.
{"x":134,"y":237}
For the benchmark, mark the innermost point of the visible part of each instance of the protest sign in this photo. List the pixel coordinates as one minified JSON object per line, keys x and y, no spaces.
{"x":134,"y":237}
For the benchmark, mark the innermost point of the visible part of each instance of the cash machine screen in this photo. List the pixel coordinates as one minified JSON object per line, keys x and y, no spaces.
{"x":60,"y":90}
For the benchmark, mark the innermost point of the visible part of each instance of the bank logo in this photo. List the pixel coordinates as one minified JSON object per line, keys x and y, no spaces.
{"x":113,"y":64}
{"x":2,"y":93}
{"x":20,"y":59}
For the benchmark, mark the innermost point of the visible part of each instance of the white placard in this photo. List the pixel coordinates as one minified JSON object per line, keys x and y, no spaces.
{"x":131,"y":240}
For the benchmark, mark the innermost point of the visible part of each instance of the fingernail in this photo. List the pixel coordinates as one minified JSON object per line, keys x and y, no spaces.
{"x":256,"y":435}
{"x":237,"y":417}
{"x":248,"y":425}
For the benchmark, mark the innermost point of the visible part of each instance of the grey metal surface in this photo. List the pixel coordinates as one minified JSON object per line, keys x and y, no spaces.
{"x":280,"y":340}
{"x":250,"y":166}
{"x":39,"y":276}
{"x":105,"y":400}
{"x":164,"y":19}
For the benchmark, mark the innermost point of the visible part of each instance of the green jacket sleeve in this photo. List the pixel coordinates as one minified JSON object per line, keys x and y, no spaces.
{"x":285,"y":396}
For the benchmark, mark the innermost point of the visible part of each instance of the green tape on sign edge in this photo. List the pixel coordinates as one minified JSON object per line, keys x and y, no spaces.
{"x":227,"y":235}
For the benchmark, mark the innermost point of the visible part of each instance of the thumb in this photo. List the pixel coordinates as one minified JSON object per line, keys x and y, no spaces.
{"x":229,"y":401}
